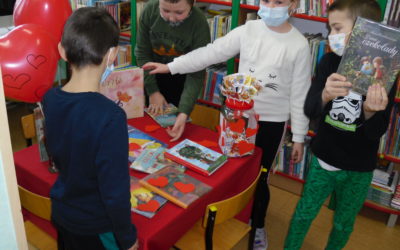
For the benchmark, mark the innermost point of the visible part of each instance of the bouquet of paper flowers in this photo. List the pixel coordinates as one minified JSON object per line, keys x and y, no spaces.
{"x":238,"y":123}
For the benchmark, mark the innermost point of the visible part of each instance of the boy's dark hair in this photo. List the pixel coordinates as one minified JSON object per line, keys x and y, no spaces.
{"x":88,"y":34}
{"x":190,"y":2}
{"x":369,"y":9}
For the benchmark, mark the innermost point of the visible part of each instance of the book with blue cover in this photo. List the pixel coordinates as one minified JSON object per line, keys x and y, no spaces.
{"x":196,"y":157}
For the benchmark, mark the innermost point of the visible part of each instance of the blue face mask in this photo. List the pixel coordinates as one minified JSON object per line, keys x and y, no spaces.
{"x":273,"y":16}
{"x":108,"y":70}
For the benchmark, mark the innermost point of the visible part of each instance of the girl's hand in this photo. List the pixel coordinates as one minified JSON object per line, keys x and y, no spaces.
{"x":178,"y":128}
{"x":297,"y":152}
{"x":156,"y":103}
{"x":156,"y":68}
{"x":376,"y":100}
{"x":335,"y":86}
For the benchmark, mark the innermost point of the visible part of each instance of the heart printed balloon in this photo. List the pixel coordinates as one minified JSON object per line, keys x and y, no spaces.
{"x":51,"y":14}
{"x":28,"y":58}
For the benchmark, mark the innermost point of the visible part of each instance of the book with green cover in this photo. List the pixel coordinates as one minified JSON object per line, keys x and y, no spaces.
{"x":371,"y":56}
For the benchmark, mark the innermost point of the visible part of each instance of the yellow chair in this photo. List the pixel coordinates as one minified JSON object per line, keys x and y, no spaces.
{"x":204,"y":116}
{"x":28,"y":128}
{"x":220,"y":230}
{"x":41,"y":207}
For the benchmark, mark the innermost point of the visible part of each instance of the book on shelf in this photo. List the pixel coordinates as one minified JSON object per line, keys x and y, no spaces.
{"x":176,"y":186}
{"x":140,"y":141}
{"x":371,"y":56}
{"x":124,"y":86}
{"x":151,"y":160}
{"x":196,"y":157}
{"x":39,"y":127}
{"x":167,"y":117}
{"x":144,"y":201}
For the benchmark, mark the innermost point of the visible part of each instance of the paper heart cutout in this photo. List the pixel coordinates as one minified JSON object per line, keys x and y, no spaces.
{"x":36,"y":61}
{"x":160,"y":181}
{"x":134,"y":146}
{"x":17,"y":82}
{"x":245,"y":147}
{"x":237,"y":126}
{"x":151,"y":128}
{"x":208,"y":143}
{"x":184,"y":187}
{"x":150,"y":206}
{"x":251,"y":131}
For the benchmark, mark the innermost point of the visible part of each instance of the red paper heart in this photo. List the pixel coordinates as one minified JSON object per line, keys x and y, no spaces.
{"x":36,"y":61}
{"x":251,"y":131}
{"x":208,"y":143}
{"x":237,"y":126}
{"x":16,"y":82}
{"x":161,"y":181}
{"x":245,"y":147}
{"x":151,"y":128}
{"x":134,"y":146}
{"x":183,"y":187}
{"x":150,"y":206}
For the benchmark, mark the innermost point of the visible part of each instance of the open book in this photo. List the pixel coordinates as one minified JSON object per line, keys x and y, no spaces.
{"x":371,"y":56}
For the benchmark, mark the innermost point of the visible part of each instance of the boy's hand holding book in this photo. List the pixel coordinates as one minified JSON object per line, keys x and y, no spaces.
{"x":376,"y":100}
{"x":156,"y":68}
{"x":336,"y":85}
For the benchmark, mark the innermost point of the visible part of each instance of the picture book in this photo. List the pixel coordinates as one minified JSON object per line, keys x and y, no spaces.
{"x":196,"y":157}
{"x":167,"y":117}
{"x":139,"y":141}
{"x":143,"y":201}
{"x":151,"y":160}
{"x":176,"y":186}
{"x":39,"y":126}
{"x":124,"y":86}
{"x":371,"y":56}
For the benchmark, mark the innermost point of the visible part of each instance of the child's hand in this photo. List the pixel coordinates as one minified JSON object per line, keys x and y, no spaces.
{"x":156,"y":68}
{"x":376,"y":100}
{"x":135,"y":246}
{"x":297,"y":152}
{"x":156,"y":103}
{"x":178,"y":128}
{"x":335,"y":86}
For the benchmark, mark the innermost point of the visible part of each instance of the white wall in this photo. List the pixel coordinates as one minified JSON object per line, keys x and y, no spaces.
{"x":12,"y":231}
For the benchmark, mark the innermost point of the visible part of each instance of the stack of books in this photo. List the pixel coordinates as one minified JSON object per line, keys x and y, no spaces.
{"x":383,"y":186}
{"x":396,"y":197}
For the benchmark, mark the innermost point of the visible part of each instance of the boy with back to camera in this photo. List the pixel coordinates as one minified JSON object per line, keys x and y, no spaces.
{"x":88,"y":140}
{"x":343,"y":158}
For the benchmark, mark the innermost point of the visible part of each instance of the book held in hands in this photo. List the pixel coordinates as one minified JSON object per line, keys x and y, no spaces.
{"x":176,"y":186}
{"x":371,"y":56}
{"x":167,"y":117}
{"x":196,"y":157}
{"x":124,"y":86}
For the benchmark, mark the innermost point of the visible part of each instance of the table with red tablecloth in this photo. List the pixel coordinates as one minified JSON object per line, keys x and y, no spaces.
{"x":171,"y":222}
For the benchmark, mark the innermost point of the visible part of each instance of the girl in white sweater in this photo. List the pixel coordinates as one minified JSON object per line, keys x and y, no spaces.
{"x":276,"y":54}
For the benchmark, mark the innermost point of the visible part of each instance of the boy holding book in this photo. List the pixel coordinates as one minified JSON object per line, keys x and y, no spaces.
{"x":344,"y":158}
{"x":87,"y":137}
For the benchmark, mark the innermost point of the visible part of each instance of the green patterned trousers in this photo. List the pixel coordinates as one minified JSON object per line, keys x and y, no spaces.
{"x":350,"y":189}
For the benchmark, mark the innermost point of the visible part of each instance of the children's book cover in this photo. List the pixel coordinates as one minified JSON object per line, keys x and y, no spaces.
{"x":176,"y":186}
{"x":140,"y":141}
{"x":143,"y":201}
{"x":196,"y":157}
{"x":151,"y":160}
{"x":167,"y":117}
{"x":124,"y":86}
{"x":371,"y":56}
{"x":39,"y":126}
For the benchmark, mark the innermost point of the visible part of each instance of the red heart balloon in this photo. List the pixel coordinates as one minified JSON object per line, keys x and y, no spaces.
{"x":51,"y":14}
{"x":28,"y":59}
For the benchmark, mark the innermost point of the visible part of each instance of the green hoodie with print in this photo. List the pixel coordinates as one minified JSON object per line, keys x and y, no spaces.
{"x":157,"y":41}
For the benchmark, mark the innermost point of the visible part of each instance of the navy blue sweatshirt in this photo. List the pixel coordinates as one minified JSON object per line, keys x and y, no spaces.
{"x":348,"y":150}
{"x":87,"y":137}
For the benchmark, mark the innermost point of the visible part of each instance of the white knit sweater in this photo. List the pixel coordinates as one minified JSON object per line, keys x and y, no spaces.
{"x":281,"y":61}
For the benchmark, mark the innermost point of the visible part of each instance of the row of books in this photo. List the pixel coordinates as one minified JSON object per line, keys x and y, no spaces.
{"x":219,"y":24}
{"x":212,"y":82}
{"x":318,"y":46}
{"x":391,"y":16}
{"x":389,"y":143}
{"x":396,"y":197}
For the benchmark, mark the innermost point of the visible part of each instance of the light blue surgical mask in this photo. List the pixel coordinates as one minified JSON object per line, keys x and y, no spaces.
{"x":273,"y":16}
{"x":108,"y":70}
{"x":337,"y":42}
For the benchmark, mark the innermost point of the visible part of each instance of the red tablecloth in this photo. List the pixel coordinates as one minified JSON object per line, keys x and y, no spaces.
{"x":171,"y":222}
